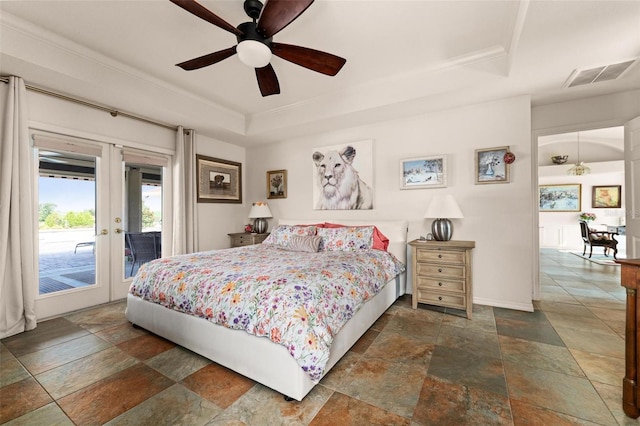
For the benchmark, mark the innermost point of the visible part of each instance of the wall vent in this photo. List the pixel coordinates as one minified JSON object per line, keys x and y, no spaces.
{"x":598,"y":74}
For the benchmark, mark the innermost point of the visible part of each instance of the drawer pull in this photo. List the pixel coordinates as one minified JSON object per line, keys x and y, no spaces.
{"x":439,"y":297}
{"x":440,"y":284}
{"x":439,"y":269}
{"x":440,"y":256}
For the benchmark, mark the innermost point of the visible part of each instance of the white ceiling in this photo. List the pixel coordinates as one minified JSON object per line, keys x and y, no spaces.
{"x":403,"y":57}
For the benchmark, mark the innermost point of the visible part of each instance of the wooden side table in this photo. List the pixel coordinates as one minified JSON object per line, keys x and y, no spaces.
{"x":442,"y":274}
{"x":630,"y":279}
{"x":239,"y":239}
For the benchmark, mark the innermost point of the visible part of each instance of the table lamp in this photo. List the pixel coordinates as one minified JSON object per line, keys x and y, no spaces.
{"x":259,"y":211}
{"x":442,"y":208}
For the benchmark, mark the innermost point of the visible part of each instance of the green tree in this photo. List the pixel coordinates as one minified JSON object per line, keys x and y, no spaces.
{"x":45,"y":209}
{"x":148,"y":218}
{"x":53,"y":220}
{"x":82,"y":219}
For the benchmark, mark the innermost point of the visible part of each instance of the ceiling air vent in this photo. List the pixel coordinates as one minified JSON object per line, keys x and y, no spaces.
{"x":595,"y":75}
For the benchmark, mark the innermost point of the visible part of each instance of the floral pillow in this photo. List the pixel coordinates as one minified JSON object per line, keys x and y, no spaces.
{"x":280,"y":235}
{"x":350,"y":238}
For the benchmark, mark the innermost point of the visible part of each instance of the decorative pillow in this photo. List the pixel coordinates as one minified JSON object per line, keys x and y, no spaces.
{"x":349,"y":238}
{"x":281,"y":234}
{"x":380,"y":241}
{"x":309,"y":244}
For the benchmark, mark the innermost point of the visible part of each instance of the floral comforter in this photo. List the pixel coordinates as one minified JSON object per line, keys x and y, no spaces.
{"x":299,"y":300}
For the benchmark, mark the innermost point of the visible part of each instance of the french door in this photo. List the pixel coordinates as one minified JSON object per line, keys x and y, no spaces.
{"x":90,"y":195}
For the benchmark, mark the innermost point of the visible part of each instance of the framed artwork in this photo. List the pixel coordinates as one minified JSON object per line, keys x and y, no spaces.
{"x":490,"y":165}
{"x":607,"y":197}
{"x":561,"y":198}
{"x":277,"y":184}
{"x":219,"y":181}
{"x":343,"y":176}
{"x":423,"y":172}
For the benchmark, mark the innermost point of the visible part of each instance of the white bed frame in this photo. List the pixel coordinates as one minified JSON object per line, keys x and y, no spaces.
{"x":257,"y":357}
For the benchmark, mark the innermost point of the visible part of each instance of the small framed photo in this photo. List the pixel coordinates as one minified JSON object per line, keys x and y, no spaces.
{"x":219,"y":181}
{"x":561,"y":198}
{"x":607,"y":197}
{"x":423,"y":172}
{"x":277,"y":184}
{"x":490,"y":165}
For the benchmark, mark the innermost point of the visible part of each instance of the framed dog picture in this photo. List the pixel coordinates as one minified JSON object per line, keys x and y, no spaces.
{"x":219,"y":181}
{"x":490,"y":165}
{"x":343,"y":176}
{"x":277,"y":184}
{"x":607,"y":197}
{"x":424,"y":172}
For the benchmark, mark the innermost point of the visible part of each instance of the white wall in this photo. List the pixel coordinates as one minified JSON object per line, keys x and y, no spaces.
{"x":499,"y":217}
{"x":216,"y":220}
{"x":560,"y":230}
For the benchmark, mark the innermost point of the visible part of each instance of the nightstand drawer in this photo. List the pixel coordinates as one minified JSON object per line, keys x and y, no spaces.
{"x":435,"y":271}
{"x":430,"y":284}
{"x":441,"y":256}
{"x":240,"y":239}
{"x":442,"y":299}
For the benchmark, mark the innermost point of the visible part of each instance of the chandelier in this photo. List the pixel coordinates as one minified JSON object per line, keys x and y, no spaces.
{"x":579,"y":168}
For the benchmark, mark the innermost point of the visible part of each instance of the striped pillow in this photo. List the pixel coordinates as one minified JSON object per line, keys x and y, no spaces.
{"x":309,"y":244}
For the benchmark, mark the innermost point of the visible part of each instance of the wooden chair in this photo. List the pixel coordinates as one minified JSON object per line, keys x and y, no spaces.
{"x":598,"y":239}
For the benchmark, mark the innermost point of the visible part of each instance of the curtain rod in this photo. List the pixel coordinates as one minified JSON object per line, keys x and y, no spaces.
{"x":113,"y":112}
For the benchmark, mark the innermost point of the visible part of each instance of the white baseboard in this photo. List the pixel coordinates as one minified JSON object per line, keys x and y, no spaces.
{"x":527,"y":307}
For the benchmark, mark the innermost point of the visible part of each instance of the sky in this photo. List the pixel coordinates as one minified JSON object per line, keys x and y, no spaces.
{"x":79,"y":195}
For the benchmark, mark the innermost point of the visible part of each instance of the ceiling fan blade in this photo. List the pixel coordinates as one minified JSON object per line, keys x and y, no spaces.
{"x":267,"y":81}
{"x":202,"y":12}
{"x":277,"y":14}
{"x":315,"y":60}
{"x":206,"y":60}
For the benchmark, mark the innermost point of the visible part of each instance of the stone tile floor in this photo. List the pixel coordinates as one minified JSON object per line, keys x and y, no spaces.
{"x":560,"y":365}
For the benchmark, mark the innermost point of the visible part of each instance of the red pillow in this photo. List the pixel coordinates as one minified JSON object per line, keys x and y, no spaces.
{"x":380,"y":241}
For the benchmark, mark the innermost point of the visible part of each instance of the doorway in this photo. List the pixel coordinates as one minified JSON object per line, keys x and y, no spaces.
{"x":90,"y":195}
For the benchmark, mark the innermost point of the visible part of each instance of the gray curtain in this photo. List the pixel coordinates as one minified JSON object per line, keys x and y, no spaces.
{"x":18,"y":262}
{"x":185,"y":213}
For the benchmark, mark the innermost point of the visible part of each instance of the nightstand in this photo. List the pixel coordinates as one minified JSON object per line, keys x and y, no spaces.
{"x":239,"y":239}
{"x":442,"y":274}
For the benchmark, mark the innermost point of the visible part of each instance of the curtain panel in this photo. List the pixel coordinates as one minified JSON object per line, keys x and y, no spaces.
{"x":185,"y":214}
{"x":18,"y":260}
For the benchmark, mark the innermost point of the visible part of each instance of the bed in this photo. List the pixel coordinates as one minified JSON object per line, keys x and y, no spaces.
{"x":259,"y":358}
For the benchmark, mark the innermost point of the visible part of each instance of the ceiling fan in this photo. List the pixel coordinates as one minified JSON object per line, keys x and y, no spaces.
{"x":255,"y":45}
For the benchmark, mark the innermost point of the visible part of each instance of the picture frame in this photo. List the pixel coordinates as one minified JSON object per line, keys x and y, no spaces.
{"x":219,"y":181}
{"x":606,"y":197}
{"x":560,"y":198}
{"x":423,"y":172}
{"x":490,"y":165}
{"x":277,"y":184}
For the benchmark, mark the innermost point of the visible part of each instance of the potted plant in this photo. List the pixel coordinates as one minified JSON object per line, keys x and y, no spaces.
{"x":588,"y":217}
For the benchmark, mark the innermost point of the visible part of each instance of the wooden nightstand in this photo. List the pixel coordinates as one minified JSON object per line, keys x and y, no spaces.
{"x":442,"y":274}
{"x":239,"y":239}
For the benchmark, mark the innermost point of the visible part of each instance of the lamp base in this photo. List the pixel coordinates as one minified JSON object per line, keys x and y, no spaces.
{"x":260,"y":225}
{"x":442,"y":229}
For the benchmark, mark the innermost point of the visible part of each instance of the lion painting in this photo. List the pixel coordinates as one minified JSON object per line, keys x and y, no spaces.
{"x":340,"y":185}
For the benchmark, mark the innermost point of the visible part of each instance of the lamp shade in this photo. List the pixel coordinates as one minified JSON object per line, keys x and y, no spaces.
{"x":259,"y":210}
{"x":443,"y":206}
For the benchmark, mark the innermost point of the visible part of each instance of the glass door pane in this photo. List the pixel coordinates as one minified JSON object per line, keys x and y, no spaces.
{"x":66,"y":221}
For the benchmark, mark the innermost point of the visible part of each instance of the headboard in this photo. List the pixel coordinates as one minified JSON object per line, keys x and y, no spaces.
{"x":395,"y":230}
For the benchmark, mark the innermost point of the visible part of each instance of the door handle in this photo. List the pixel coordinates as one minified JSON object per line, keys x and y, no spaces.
{"x":104,"y":232}
{"x":120,"y":231}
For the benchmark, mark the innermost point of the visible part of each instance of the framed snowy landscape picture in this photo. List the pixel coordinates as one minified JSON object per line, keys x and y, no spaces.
{"x":424,"y":172}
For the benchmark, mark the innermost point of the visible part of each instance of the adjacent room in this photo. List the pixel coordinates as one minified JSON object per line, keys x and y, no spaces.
{"x":319,"y":212}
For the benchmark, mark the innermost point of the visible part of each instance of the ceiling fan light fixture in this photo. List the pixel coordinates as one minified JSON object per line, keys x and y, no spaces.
{"x":579,"y":168}
{"x":253,"y":53}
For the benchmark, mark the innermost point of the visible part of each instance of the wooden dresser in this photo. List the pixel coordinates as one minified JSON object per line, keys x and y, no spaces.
{"x":630,"y":279}
{"x":239,"y":239}
{"x":442,"y":274}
